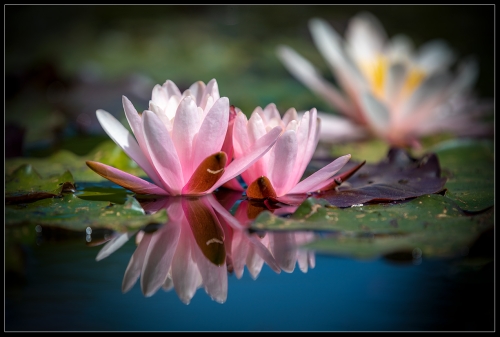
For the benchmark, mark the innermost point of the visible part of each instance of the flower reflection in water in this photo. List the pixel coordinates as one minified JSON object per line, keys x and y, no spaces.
{"x":202,"y":242}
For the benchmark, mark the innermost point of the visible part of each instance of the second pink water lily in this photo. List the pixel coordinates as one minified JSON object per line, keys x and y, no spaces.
{"x":279,"y":171}
{"x":181,"y":142}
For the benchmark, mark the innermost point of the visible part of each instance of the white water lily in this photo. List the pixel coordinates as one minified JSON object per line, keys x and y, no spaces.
{"x":389,"y":89}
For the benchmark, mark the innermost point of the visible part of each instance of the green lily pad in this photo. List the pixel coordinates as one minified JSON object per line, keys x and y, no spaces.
{"x":107,"y":152}
{"x":432,"y":223}
{"x":469,"y":167}
{"x":370,"y":150}
{"x":73,"y":213}
{"x":26,"y":185}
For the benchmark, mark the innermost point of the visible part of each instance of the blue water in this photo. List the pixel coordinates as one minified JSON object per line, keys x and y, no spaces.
{"x":66,"y":289}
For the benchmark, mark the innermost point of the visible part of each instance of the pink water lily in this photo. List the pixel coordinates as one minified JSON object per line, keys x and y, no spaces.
{"x":279,"y":171}
{"x":181,"y":142}
{"x":388,"y":89}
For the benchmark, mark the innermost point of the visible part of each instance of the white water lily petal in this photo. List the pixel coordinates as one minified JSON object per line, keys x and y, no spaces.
{"x":376,"y":112}
{"x":336,"y":129}
{"x":366,"y":36}
{"x":427,"y":93}
{"x":396,"y":76}
{"x":434,"y":56}
{"x":331,"y":46}
{"x":305,"y":72}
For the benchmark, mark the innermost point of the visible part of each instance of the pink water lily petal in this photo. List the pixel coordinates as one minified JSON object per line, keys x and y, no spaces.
{"x":241,"y":142}
{"x":212,"y":89}
{"x":158,"y":258}
{"x":270,"y":112}
{"x":307,"y":137}
{"x":311,"y":183}
{"x":197,"y":89}
{"x":126,"y":180}
{"x":187,"y":124}
{"x":233,"y":184}
{"x":254,"y":262}
{"x":239,"y":254}
{"x":122,"y":137}
{"x":135,"y":122}
{"x":212,"y":131}
{"x":263,"y":252}
{"x":227,"y":146}
{"x":302,"y":136}
{"x":159,"y":96}
{"x":134,"y":267}
{"x":162,"y":115}
{"x":163,"y":153}
{"x":171,"y":89}
{"x":214,"y":278}
{"x":171,"y":107}
{"x":290,"y":115}
{"x":224,"y":213}
{"x":280,"y":244}
{"x":257,"y":150}
{"x":186,"y":276}
{"x":256,"y":127}
{"x":282,"y":161}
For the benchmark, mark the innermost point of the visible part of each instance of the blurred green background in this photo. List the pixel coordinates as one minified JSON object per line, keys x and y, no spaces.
{"x":63,"y":62}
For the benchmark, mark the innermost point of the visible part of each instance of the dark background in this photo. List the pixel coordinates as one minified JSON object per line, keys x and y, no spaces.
{"x":63,"y":62}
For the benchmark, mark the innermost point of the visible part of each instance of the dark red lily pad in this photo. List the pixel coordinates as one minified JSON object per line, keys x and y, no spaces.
{"x":397,"y":177}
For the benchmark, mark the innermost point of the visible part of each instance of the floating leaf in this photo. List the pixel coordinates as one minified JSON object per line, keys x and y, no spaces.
{"x":107,"y":152}
{"x":469,"y":166}
{"x":432,"y":223}
{"x":26,"y":185}
{"x":397,"y":177}
{"x":72,"y":212}
{"x":103,"y":191}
